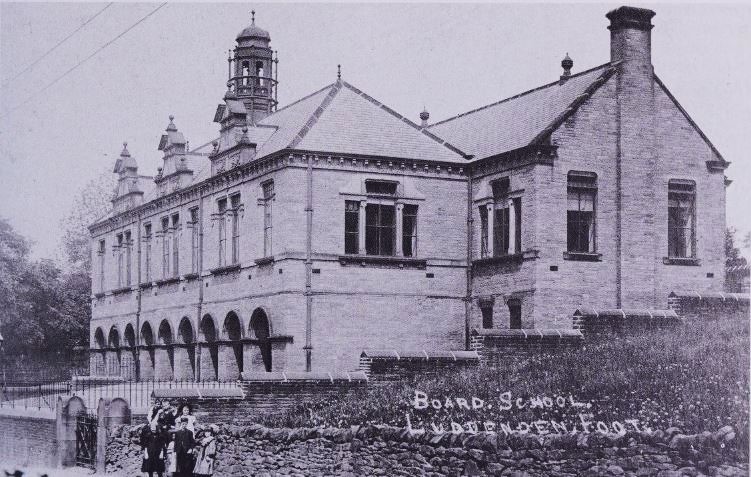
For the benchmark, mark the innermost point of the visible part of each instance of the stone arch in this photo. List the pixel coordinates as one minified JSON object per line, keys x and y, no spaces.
{"x":164,"y":356}
{"x":128,"y":355}
{"x":164,"y":336}
{"x":112,"y":356}
{"x":129,"y":336}
{"x":147,"y":334}
{"x":260,"y":329}
{"x":146,"y":355}
{"x":232,"y":328}
{"x":231,"y":353}
{"x":113,"y":337}
{"x":99,"y":340}
{"x":184,"y":351}
{"x":209,"y":360}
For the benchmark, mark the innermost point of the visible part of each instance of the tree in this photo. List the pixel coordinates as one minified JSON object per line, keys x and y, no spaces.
{"x":92,"y":203}
{"x":735,"y":262}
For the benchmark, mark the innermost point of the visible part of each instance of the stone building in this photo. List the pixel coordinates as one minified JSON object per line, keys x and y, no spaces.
{"x":304,"y":234}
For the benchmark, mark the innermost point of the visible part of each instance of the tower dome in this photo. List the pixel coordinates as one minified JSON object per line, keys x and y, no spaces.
{"x":253,"y":32}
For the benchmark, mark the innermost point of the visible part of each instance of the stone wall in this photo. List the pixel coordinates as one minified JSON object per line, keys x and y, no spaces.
{"x":706,"y":305}
{"x":392,"y":365}
{"x":495,"y":346}
{"x":383,"y":450}
{"x":595,"y":322}
{"x":28,"y":439}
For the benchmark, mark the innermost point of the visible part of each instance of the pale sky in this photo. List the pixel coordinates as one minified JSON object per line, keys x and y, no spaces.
{"x":449,"y":58}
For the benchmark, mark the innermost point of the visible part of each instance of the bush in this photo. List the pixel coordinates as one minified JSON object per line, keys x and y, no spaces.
{"x":694,"y":377}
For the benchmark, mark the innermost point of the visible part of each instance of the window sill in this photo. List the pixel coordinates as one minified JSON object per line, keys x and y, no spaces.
{"x":383,"y":261}
{"x":531,"y":254}
{"x":683,"y":261}
{"x":190,"y":276}
{"x":146,"y":285}
{"x":167,"y":281}
{"x":582,"y":256}
{"x":120,"y":291}
{"x":264,"y":261}
{"x":225,"y":269}
{"x":99,"y":295}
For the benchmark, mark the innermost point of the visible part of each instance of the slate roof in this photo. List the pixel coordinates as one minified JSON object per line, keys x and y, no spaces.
{"x":342,"y":119}
{"x":520,"y":120}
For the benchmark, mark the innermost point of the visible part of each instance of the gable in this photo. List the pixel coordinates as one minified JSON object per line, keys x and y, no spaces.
{"x":523,"y":119}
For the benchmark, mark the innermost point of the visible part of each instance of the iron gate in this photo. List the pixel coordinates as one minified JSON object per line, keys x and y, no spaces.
{"x":86,"y":427}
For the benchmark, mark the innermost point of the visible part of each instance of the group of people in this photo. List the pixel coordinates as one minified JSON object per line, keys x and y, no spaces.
{"x":170,"y":444}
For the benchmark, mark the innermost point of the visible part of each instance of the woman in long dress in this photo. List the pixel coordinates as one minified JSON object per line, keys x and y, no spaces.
{"x":206,"y":457}
{"x":154,"y":445}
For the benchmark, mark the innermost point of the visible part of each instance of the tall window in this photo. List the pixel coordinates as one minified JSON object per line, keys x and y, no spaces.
{"x":175,"y":245}
{"x":352,"y":227}
{"x":582,"y":194}
{"x":409,"y":230}
{"x":380,"y":229}
{"x":245,"y":72}
{"x":147,"y":238}
{"x":681,"y":219}
{"x":383,"y":226}
{"x":515,"y":313}
{"x":259,"y":73}
{"x":506,"y":221}
{"x":194,"y":239}
{"x":268,"y":199}
{"x":165,"y":247}
{"x":235,"y":224}
{"x":128,"y":256}
{"x":222,"y":208}
{"x":100,"y":252}
{"x":119,"y":260}
{"x":484,"y":252}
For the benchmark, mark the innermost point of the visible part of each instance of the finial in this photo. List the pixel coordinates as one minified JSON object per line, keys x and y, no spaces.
{"x":253,"y":17}
{"x":567,"y":63}
{"x":338,"y":71}
{"x":171,"y":126}
{"x":424,"y":116}
{"x":125,"y":149}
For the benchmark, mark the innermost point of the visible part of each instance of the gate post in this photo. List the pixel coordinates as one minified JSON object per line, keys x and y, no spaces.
{"x":65,"y":429}
{"x":109,"y":413}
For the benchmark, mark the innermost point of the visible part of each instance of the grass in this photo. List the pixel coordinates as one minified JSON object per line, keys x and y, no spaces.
{"x":694,"y":377}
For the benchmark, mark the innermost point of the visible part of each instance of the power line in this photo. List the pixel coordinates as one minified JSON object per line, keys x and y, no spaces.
{"x":57,"y":45}
{"x":85,"y":59}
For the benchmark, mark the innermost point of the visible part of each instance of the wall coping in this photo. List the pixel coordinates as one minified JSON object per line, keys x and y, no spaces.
{"x":425,"y":355}
{"x":301,"y":376}
{"x":696,"y":295}
{"x":197,"y":393}
{"x":626,"y":313}
{"x":528,"y":333}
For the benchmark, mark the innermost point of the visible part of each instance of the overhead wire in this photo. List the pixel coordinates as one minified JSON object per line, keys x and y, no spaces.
{"x":74,"y":67}
{"x":30,"y":66}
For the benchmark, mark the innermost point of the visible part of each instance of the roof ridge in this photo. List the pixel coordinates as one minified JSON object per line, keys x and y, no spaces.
{"x":298,"y":101}
{"x":335,"y":87}
{"x":404,"y":119}
{"x":519,"y":95}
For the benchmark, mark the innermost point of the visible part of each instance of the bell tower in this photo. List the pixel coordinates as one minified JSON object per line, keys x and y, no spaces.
{"x":252,"y":72}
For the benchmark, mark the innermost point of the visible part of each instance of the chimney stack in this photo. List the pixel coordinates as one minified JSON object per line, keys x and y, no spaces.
{"x":630,"y":34}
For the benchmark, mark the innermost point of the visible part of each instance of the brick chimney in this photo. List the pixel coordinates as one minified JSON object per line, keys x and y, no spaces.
{"x":636,"y":157}
{"x":630,"y":34}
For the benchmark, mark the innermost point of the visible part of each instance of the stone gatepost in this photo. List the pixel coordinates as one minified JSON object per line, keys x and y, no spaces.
{"x":162,"y":364}
{"x":146,"y":363}
{"x":208,"y":371}
{"x":183,"y":362}
{"x":228,"y":368}
{"x":110,"y":413}
{"x":66,"y":413}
